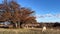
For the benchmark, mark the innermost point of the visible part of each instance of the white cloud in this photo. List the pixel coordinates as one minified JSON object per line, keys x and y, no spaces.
{"x":57,"y":15}
{"x":48,"y":15}
{"x":45,"y":15}
{"x":39,"y":16}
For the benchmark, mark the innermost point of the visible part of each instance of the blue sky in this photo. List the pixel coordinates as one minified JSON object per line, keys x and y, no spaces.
{"x":46,"y":10}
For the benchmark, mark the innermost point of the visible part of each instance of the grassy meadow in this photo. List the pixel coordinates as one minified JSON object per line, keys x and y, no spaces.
{"x":29,"y":31}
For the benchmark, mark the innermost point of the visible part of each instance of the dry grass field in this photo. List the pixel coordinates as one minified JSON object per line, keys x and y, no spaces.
{"x":29,"y":31}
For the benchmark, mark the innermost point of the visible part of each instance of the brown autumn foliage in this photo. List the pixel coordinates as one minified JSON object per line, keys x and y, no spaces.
{"x":17,"y":14}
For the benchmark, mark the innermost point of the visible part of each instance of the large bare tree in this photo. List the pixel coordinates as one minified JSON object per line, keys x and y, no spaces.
{"x":17,"y":14}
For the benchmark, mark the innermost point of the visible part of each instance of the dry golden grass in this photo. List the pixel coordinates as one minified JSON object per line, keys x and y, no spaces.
{"x":29,"y":31}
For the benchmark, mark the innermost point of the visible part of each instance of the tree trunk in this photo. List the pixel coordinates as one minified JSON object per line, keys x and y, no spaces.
{"x":16,"y":25}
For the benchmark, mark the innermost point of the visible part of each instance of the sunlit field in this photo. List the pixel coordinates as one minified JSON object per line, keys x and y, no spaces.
{"x":29,"y":31}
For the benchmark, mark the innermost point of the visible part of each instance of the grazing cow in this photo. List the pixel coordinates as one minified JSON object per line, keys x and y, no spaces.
{"x":44,"y":29}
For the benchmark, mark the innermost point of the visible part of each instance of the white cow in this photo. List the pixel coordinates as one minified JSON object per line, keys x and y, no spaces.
{"x":44,"y":29}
